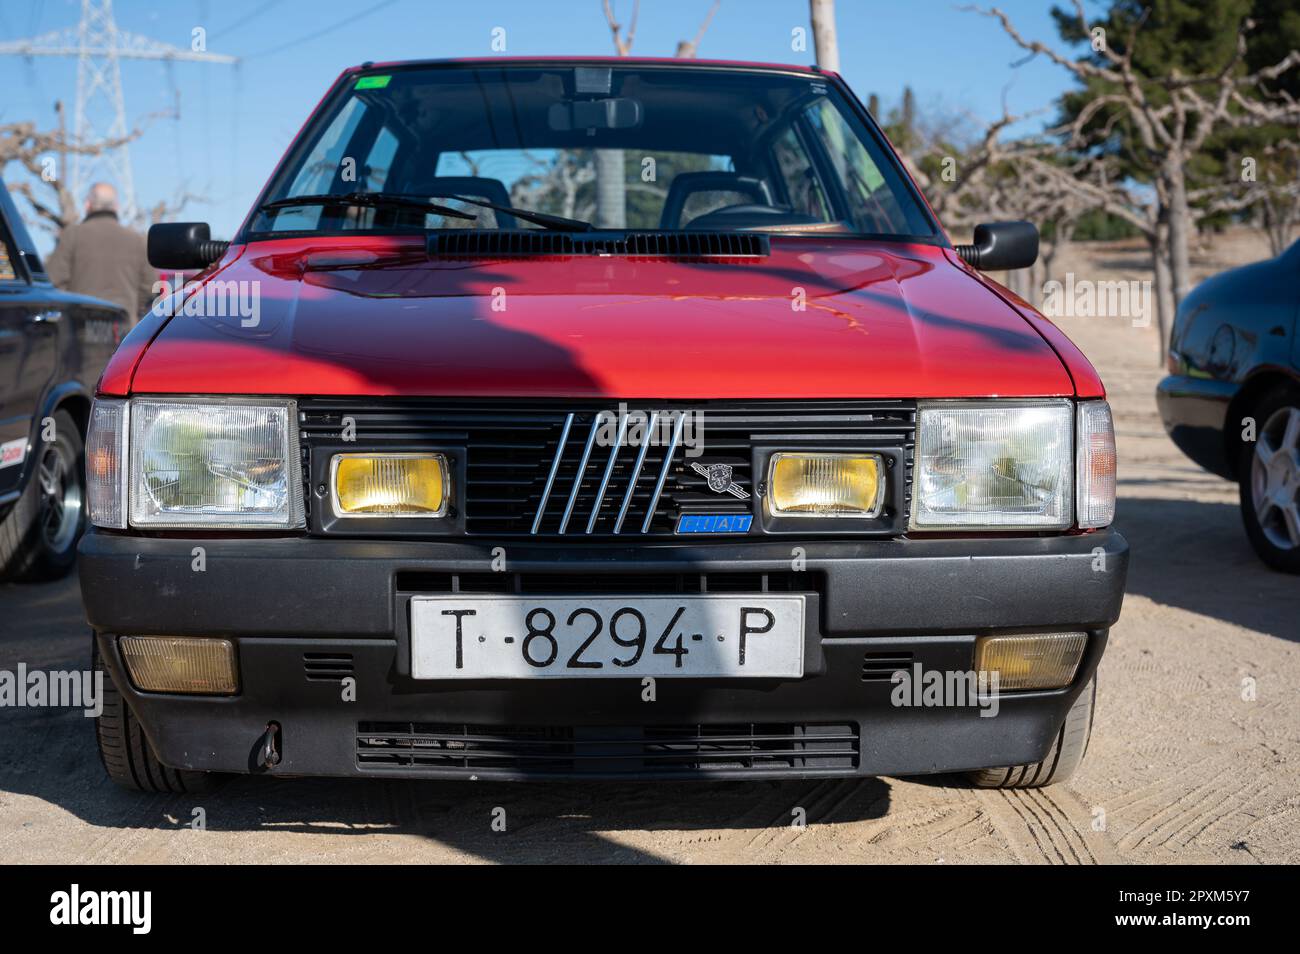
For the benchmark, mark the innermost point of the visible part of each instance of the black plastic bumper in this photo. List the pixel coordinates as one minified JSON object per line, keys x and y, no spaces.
{"x":283,"y":600}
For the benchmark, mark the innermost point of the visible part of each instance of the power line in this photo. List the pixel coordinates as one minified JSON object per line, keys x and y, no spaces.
{"x":262,"y":8}
{"x":324,"y":30}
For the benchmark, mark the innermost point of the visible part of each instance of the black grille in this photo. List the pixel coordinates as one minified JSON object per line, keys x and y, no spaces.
{"x":541,"y":470}
{"x":327,"y":667}
{"x":605,"y":750}
{"x":528,"y":243}
{"x":881,"y":666}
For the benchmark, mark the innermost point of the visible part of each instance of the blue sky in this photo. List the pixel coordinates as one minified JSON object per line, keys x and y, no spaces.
{"x":235,"y":122}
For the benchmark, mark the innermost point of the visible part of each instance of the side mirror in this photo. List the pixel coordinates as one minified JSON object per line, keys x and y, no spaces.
{"x":183,"y":246}
{"x":1001,"y":246}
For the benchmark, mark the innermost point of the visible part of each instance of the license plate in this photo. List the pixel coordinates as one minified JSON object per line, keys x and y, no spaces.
{"x":523,"y":637}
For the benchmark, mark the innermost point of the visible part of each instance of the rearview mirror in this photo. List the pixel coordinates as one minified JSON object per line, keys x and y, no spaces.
{"x":594,"y":114}
{"x":1001,"y":246}
{"x":183,"y":245}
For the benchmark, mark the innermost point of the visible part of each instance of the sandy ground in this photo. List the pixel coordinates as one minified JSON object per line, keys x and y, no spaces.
{"x":1181,"y":767}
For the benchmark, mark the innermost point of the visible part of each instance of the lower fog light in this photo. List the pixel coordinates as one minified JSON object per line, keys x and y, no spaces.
{"x":1032,"y":661}
{"x":181,"y":664}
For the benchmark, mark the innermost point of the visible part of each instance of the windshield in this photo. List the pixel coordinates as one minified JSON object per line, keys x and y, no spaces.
{"x":634,"y":147}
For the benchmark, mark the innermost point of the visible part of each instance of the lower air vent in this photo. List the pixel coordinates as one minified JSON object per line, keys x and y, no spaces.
{"x":327,"y":667}
{"x":527,"y":243}
{"x":606,"y":750}
{"x":881,"y":666}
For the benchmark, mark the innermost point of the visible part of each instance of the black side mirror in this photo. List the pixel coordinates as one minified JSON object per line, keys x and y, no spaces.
{"x":1001,"y":246}
{"x":183,"y":245}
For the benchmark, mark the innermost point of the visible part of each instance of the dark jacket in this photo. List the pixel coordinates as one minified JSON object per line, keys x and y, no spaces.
{"x":101,"y":257}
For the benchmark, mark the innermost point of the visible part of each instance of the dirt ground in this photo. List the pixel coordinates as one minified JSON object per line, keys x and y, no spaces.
{"x":1181,"y":767}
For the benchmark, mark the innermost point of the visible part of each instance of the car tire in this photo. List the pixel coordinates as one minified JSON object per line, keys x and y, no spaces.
{"x":1277,"y":437}
{"x":125,"y":751}
{"x":1062,"y":759}
{"x":38,"y":537}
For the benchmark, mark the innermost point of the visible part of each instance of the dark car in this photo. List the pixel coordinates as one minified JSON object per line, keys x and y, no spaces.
{"x":1232,"y":399}
{"x":53,"y":347}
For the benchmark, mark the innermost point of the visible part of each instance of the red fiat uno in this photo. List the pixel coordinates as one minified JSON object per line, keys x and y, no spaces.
{"x":603,"y":419}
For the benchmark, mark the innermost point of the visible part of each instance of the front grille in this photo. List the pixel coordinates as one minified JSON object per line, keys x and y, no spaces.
{"x":561,"y":468}
{"x":606,"y":750}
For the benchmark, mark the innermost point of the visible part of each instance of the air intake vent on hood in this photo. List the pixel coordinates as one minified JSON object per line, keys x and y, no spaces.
{"x":495,"y":243}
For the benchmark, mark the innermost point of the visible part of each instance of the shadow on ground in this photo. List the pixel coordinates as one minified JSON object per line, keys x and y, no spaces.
{"x":1194,"y":555}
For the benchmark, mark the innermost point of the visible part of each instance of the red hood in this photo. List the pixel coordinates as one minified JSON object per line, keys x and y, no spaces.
{"x":879,"y":320}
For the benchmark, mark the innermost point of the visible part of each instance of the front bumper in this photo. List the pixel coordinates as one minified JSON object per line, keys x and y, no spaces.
{"x":305,"y":612}
{"x":1194,"y":411}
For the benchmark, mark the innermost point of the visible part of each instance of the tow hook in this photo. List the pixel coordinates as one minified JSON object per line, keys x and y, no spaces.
{"x":268,"y":751}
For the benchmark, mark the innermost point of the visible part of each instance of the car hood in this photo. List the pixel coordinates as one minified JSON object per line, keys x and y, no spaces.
{"x":815,"y":319}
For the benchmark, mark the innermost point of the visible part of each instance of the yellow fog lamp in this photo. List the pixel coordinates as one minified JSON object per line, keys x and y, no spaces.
{"x":181,"y":664}
{"x":1031,"y":661}
{"x":826,"y":485}
{"x":390,"y":485}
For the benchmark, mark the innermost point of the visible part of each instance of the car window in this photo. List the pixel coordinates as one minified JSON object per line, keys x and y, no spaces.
{"x":8,"y":260}
{"x":873,"y":206}
{"x":606,"y":144}
{"x":802,"y":189}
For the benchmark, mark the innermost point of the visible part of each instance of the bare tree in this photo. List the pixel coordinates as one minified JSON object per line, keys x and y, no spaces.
{"x":1171,"y":116}
{"x":44,"y":155}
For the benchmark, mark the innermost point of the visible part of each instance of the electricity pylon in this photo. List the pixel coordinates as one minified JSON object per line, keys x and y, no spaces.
{"x":100,"y":114}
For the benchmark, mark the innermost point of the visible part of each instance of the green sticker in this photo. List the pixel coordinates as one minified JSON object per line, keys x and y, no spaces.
{"x":372,"y":82}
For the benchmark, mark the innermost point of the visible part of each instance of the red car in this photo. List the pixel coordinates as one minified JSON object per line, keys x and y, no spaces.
{"x":597,"y":418}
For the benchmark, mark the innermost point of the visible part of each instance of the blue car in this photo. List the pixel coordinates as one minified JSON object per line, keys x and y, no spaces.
{"x":1232,"y":399}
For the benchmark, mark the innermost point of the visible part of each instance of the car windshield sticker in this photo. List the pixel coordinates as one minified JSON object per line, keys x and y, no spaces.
{"x":372,"y":82}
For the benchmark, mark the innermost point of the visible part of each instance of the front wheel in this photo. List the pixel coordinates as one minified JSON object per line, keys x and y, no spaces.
{"x":1269,"y":471}
{"x":125,"y":751}
{"x":1062,"y":759}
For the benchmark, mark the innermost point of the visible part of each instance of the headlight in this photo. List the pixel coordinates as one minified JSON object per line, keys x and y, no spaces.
{"x":389,"y":485}
{"x":214,"y":463}
{"x":994,"y":466}
{"x":826,"y":485}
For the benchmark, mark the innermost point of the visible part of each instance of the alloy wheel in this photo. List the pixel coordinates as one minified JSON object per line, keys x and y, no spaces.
{"x":61,"y":497}
{"x":1275,"y":478}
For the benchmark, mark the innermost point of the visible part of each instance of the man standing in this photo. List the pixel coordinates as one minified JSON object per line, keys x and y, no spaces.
{"x":101,"y":257}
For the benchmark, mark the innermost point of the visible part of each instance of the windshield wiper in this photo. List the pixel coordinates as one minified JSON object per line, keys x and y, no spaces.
{"x":369,"y":200}
{"x":547,"y":221}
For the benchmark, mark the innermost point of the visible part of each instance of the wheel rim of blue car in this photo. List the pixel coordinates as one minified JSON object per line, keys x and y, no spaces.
{"x":1275,"y":478}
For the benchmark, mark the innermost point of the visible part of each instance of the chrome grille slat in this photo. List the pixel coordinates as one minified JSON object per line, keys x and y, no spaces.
{"x":609,"y":469}
{"x":663,"y":472}
{"x":636,"y":472}
{"x":582,"y":469}
{"x":555,"y":466}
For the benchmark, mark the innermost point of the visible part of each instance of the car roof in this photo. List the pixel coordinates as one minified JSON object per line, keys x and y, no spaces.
{"x":498,"y":61}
